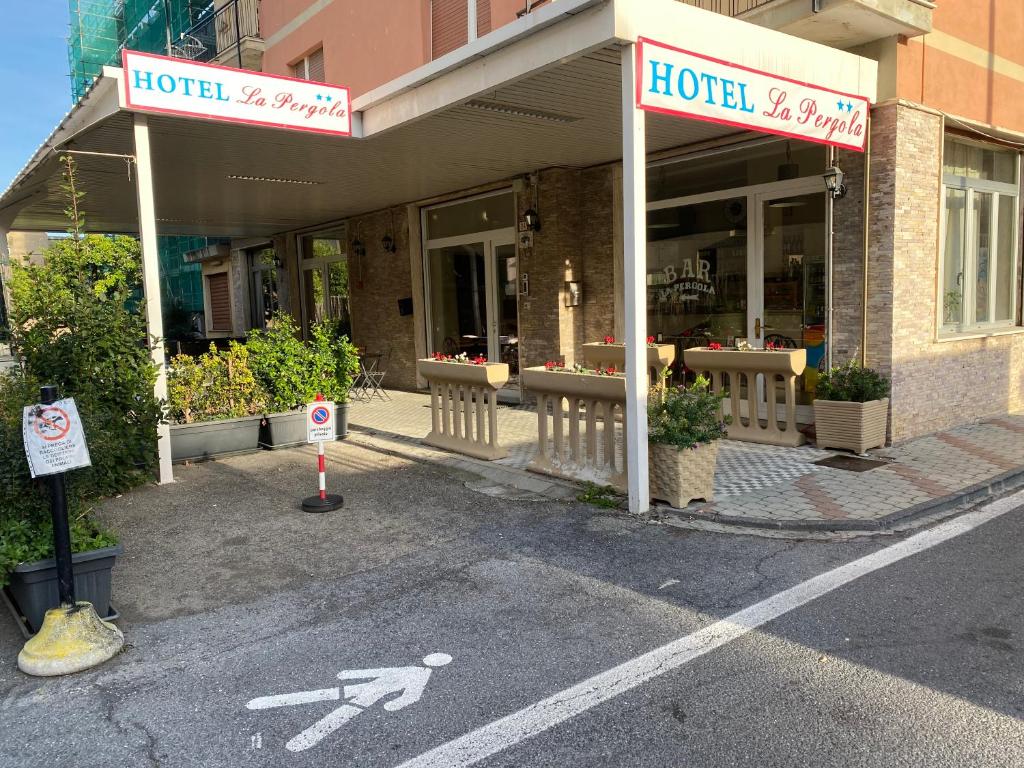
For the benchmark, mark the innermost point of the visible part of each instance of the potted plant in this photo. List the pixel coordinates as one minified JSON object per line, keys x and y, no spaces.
{"x":684,"y":427}
{"x":851,"y":408}
{"x":294,"y":372}
{"x":214,"y":402}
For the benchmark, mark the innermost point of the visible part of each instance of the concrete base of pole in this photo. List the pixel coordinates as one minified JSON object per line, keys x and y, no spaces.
{"x":329,"y":503}
{"x":70,"y":640}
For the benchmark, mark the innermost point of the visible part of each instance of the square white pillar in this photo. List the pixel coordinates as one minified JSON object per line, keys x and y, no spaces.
{"x":151,"y":284}
{"x":634,"y":253}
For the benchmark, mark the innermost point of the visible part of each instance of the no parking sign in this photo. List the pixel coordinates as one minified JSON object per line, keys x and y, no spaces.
{"x":320,"y":422}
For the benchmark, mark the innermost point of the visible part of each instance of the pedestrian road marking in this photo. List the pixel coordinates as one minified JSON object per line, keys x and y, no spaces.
{"x":547,"y":713}
{"x":409,"y":682}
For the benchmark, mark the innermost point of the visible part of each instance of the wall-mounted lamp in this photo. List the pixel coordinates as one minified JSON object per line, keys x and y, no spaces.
{"x":532,"y":219}
{"x":358,"y":248}
{"x":388,"y":244}
{"x":573,"y":293}
{"x":834,"y":182}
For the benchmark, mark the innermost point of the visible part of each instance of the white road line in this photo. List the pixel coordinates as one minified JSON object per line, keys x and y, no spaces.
{"x":537,"y":718}
{"x":292,"y":699}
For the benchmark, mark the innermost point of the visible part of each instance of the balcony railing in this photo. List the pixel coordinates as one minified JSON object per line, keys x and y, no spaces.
{"x":728,"y":7}
{"x":220,"y":34}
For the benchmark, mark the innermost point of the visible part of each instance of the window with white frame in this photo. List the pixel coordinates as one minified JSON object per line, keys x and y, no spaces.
{"x":981,"y":231}
{"x":310,"y":67}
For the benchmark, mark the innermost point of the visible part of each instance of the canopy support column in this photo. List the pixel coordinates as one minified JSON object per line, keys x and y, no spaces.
{"x":151,"y":284}
{"x":634,"y":218}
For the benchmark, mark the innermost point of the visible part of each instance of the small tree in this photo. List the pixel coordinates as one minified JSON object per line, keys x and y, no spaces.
{"x":76,"y":322}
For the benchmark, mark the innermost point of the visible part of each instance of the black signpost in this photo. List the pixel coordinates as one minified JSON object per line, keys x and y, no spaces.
{"x":59,"y":514}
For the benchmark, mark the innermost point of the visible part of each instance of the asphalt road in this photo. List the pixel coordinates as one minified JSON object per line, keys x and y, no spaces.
{"x":918,"y":663}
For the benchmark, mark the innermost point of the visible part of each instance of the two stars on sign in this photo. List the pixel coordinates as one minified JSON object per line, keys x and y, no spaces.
{"x":845,"y":105}
{"x":320,"y":97}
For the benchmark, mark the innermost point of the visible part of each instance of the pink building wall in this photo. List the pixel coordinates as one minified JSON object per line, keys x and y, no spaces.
{"x":366,"y":44}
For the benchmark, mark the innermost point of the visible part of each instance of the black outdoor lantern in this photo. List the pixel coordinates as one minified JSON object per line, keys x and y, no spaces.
{"x":388,"y":244}
{"x":834,"y":182}
{"x":358,"y":248}
{"x":532,"y":219}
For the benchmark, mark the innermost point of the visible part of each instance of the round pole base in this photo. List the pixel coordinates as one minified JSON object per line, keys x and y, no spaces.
{"x":330,"y":503}
{"x":70,"y":640}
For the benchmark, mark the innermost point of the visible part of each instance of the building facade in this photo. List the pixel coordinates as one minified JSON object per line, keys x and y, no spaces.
{"x":515,"y":248}
{"x":916,"y":271}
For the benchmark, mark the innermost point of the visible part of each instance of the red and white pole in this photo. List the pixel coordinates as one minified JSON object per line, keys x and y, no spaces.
{"x":323,"y":502}
{"x":322,"y":467}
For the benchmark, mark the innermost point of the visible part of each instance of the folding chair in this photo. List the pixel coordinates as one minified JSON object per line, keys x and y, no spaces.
{"x":374,"y":374}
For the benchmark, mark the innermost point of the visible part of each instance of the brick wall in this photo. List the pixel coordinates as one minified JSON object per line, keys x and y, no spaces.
{"x":376,"y":282}
{"x":936,"y":384}
{"x":575,"y":243}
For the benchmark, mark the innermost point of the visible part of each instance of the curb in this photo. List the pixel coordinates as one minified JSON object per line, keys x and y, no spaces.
{"x":970,"y":496}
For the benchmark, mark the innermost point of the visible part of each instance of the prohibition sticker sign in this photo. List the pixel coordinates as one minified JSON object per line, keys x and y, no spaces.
{"x":321,"y":415}
{"x":52,"y":423}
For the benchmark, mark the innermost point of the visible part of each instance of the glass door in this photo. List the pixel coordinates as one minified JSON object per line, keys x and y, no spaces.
{"x":457,"y":287}
{"x":791,"y":256}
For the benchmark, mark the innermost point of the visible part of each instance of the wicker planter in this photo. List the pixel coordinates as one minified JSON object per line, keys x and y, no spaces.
{"x":851,"y":426}
{"x":678,"y":476}
{"x":207,"y":439}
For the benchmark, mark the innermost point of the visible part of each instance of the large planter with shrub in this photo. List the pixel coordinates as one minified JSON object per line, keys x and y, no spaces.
{"x":680,"y":475}
{"x":851,"y":409}
{"x":684,"y":429}
{"x":851,"y":426}
{"x":33,"y":586}
{"x":208,"y":439}
{"x":287,"y":430}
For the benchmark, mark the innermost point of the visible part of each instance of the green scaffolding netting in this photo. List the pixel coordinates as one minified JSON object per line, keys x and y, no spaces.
{"x":99,"y":30}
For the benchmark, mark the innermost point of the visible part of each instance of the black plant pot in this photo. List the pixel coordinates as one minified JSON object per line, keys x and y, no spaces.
{"x":33,"y":588}
{"x":207,"y":439}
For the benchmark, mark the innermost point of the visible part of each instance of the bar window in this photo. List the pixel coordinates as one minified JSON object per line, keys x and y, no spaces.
{"x":981,"y":238}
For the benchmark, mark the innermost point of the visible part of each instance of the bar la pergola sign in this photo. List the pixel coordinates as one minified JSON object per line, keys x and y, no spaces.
{"x":678,"y":82}
{"x":165,"y":85}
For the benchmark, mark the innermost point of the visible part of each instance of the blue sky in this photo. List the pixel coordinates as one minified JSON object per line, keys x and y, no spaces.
{"x":34,"y":85}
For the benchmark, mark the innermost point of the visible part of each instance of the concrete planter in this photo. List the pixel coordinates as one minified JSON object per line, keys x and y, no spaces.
{"x":287,"y":430}
{"x":207,"y":439}
{"x":782,"y":361}
{"x":680,"y":475}
{"x":33,"y":586}
{"x":587,"y":386}
{"x":659,"y":357}
{"x":492,"y":375}
{"x":779,"y":369}
{"x":584,"y":436}
{"x":463,"y":406}
{"x":851,"y":426}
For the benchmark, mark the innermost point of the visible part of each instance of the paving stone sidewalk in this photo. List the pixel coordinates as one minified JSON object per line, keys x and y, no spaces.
{"x":768,"y":486}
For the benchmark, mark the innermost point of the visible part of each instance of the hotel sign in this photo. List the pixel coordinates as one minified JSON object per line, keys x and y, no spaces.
{"x":181,"y":87}
{"x":678,"y":82}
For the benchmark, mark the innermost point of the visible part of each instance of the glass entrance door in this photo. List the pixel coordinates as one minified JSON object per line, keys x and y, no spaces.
{"x":793,"y":301}
{"x":458,"y":299}
{"x":473,"y":296}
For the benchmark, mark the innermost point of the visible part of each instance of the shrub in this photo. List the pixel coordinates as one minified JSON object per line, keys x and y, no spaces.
{"x":685,"y":417}
{"x":215,"y":385}
{"x":76,"y":322}
{"x":294,"y":372}
{"x":852,"y":383}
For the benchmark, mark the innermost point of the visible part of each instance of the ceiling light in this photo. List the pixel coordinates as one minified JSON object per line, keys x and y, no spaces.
{"x":273,"y":179}
{"x":514,"y":111}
